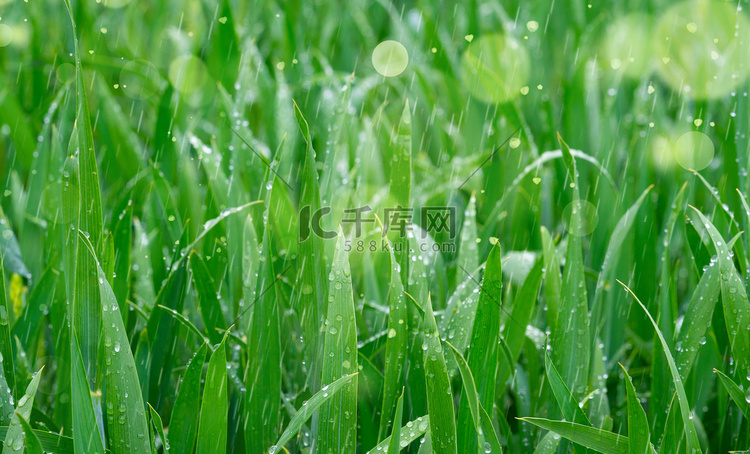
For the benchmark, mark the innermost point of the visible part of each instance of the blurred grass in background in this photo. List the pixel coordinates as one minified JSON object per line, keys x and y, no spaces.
{"x":155,"y":178}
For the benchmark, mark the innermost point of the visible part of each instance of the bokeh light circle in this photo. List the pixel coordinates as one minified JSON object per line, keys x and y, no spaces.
{"x":66,"y":73}
{"x":139,"y":79}
{"x":703,"y":48}
{"x":589,"y":217}
{"x":390,"y":58}
{"x":187,"y":74}
{"x":6,"y":35}
{"x":495,"y":68}
{"x":694,"y":150}
{"x":627,"y":45}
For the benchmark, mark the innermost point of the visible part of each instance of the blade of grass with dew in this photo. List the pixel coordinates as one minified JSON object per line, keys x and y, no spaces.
{"x":483,"y":353}
{"x":11,"y":251}
{"x":311,"y":271}
{"x":212,"y":428}
{"x":615,"y":333}
{"x":571,"y":339}
{"x":394,"y":447}
{"x":693,"y":445}
{"x":514,"y":333}
{"x":306,"y":411}
{"x":14,"y":439}
{"x":734,"y":298}
{"x":87,"y":309}
{"x":337,"y":430}
{"x":396,"y":348}
{"x":439,"y":392}
{"x":263,"y":377}
{"x":126,"y":414}
{"x":184,"y":420}
{"x":6,"y":348}
{"x":548,"y":445}
{"x":596,"y":439}
{"x":409,"y":432}
{"x":468,"y":251}
{"x":487,"y":438}
{"x":638,"y":431}
{"x":736,"y":393}
{"x":250,"y":268}
{"x":697,"y":318}
{"x":210,"y":308}
{"x":122,"y":235}
{"x":33,"y":445}
{"x":552,"y":278}
{"x":157,"y":423}
{"x":86,"y":436}
{"x":565,"y":400}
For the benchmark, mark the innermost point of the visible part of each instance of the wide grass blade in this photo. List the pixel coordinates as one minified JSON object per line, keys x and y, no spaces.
{"x":212,"y":429}
{"x":552,"y":279}
{"x":184,"y":419}
{"x":337,"y":429}
{"x":394,"y":447}
{"x":568,"y":404}
{"x":14,"y":439}
{"x":210,"y":308}
{"x":409,"y":432}
{"x":396,"y":346}
{"x":86,"y":436}
{"x":482,"y":421}
{"x":309,"y":407}
{"x":638,"y":431}
{"x":571,"y":345}
{"x":597,"y":439}
{"x":6,"y":348}
{"x":439,"y":392}
{"x":483,"y":353}
{"x":738,"y":396}
{"x":33,"y":445}
{"x":734,"y":298}
{"x":693,"y":444}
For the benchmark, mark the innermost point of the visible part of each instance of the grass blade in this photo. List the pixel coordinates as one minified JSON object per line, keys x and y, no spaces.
{"x":638,"y":431}
{"x":394,"y":447}
{"x":396,"y":347}
{"x":210,"y":308}
{"x":184,"y":419}
{"x":693,"y":444}
{"x":308,"y":408}
{"x":6,"y":348}
{"x":734,"y":298}
{"x":597,"y":439}
{"x":736,"y":393}
{"x":14,"y":439}
{"x":483,"y":354}
{"x":86,"y":436}
{"x":212,"y":428}
{"x":337,"y":431}
{"x":33,"y":445}
{"x":409,"y":432}
{"x":571,"y":347}
{"x":156,"y":421}
{"x":568,"y":404}
{"x":552,"y":279}
{"x":439,"y":392}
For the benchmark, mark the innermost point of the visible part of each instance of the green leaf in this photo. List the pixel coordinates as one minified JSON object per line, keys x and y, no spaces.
{"x":210,"y":308}
{"x":337,"y":429}
{"x":439,"y":392}
{"x":396,"y":346}
{"x":126,"y":414}
{"x":184,"y":419}
{"x":409,"y":432}
{"x":394,"y":447}
{"x":571,"y":345}
{"x":734,"y":298}
{"x":156,"y":420}
{"x":308,"y":408}
{"x":552,"y":279}
{"x":10,"y":252}
{"x":736,"y":393}
{"x":568,"y":404}
{"x":33,"y":445}
{"x":14,"y":439}
{"x":6,"y":347}
{"x":86,"y":436}
{"x":483,"y":353}
{"x":638,"y":431}
{"x":597,"y":439}
{"x":482,"y":421}
{"x":548,"y":445}
{"x":693,"y":444}
{"x":212,"y":429}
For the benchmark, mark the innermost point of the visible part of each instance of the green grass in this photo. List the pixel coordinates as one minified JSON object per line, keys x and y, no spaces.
{"x":180,"y":273}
